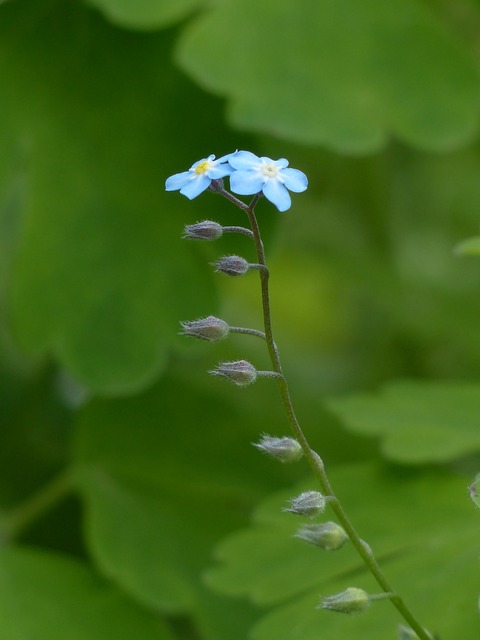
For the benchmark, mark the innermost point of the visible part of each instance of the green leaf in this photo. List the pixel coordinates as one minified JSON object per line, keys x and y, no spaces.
{"x":93,"y":115}
{"x":416,"y":422}
{"x":470,"y":247}
{"x":346,"y":75}
{"x":422,"y":529}
{"x":49,"y":597}
{"x":145,"y":14}
{"x":164,"y":476}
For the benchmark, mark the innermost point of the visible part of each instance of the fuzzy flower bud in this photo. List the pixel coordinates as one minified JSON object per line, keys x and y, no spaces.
{"x":329,"y":535}
{"x":406,"y":633}
{"x":211,"y":329}
{"x":240,"y":372}
{"x":206,"y":230}
{"x":309,"y":503}
{"x":284,"y":449}
{"x":474,"y":490}
{"x":232,"y":265}
{"x":352,"y":601}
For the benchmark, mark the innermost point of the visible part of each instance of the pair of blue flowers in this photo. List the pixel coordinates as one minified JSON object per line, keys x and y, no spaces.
{"x":248,"y":175}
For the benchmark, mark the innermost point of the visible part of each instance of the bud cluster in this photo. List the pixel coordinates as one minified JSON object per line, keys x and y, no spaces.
{"x":250,"y":175}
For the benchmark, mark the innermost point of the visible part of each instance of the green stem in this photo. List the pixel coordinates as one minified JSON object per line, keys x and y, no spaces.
{"x":14,"y":523}
{"x":314,"y":460}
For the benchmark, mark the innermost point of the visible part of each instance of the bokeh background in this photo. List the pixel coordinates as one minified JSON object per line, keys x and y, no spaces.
{"x":123,"y":465}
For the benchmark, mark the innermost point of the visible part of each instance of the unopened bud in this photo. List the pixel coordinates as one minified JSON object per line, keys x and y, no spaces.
{"x":352,"y":600}
{"x":216,"y":185}
{"x":309,"y":503}
{"x":328,"y":535}
{"x":206,"y":230}
{"x":211,"y":329}
{"x":240,"y":372}
{"x":406,"y":633}
{"x":474,"y":490}
{"x":232,"y":265}
{"x":284,"y":449}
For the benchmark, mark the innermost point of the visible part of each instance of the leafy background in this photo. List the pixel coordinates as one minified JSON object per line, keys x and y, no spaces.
{"x":131,"y":500}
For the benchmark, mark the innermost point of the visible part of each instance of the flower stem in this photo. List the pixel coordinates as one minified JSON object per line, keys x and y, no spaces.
{"x":314,"y":460}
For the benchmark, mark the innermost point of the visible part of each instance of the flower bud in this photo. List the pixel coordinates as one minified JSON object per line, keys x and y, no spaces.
{"x":232,"y":265}
{"x":211,"y":329}
{"x":284,"y":449}
{"x":352,"y":600}
{"x":406,"y":633}
{"x":216,"y":185}
{"x":329,"y":535}
{"x":474,"y":490}
{"x":240,"y":372}
{"x":309,"y":503}
{"x":206,"y":230}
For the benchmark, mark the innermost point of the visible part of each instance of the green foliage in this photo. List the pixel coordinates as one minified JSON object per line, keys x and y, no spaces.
{"x":47,"y":596}
{"x":123,"y":466}
{"x":145,"y":14}
{"x":163,"y":478}
{"x":343,"y":74}
{"x":417,"y":422}
{"x":92,"y":144}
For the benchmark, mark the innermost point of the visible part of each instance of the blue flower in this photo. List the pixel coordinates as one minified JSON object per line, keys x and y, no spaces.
{"x":199,"y":177}
{"x":272,"y":177}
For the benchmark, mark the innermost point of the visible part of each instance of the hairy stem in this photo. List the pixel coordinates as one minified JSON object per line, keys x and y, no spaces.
{"x":314,"y":460}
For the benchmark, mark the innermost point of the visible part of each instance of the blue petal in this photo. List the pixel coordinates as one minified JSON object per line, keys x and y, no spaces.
{"x":246,"y":183}
{"x":196,"y":186}
{"x":277,"y":193}
{"x":220,"y":171}
{"x":244,"y":160}
{"x":294,"y":180}
{"x":177,"y":181}
{"x":280,"y":164}
{"x":227,"y":157}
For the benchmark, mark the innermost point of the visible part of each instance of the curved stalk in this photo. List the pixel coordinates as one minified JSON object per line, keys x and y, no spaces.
{"x":313,"y":459}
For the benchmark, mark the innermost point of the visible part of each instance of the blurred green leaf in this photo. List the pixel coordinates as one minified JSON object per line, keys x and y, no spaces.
{"x":36,"y":431}
{"x":46,"y":596}
{"x":470,"y":247}
{"x":422,"y":529}
{"x":145,"y":14}
{"x":164,"y":476}
{"x":417,"y":421}
{"x":100,"y":275}
{"x":346,"y":75}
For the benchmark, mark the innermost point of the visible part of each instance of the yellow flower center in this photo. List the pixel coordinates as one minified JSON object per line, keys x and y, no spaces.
{"x":269,"y":170}
{"x":203,"y":167}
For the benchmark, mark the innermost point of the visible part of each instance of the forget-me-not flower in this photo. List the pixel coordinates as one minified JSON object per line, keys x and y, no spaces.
{"x":271,"y":177}
{"x":198,"y":178}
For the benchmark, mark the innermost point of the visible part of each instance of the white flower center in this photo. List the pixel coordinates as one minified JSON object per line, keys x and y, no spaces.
{"x":269,"y":171}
